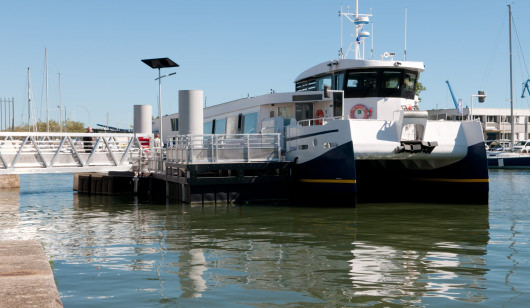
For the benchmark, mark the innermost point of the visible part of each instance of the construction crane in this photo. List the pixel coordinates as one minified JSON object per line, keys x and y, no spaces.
{"x":453,"y":96}
{"x":525,"y":87}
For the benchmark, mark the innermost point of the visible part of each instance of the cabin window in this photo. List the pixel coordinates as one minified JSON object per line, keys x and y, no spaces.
{"x":207,"y":127}
{"x":250,"y":123}
{"x":285,"y":112}
{"x":220,"y":125}
{"x":174,"y":125}
{"x":323,"y":81}
{"x":304,"y":111}
{"x":409,"y":82}
{"x":306,"y":85}
{"x":339,"y":82}
{"x":361,"y":83}
{"x":391,"y":79}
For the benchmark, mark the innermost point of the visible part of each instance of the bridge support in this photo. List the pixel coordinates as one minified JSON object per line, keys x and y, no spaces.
{"x":9,"y":181}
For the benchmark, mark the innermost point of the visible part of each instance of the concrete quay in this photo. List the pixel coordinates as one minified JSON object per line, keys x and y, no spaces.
{"x":26,"y":278}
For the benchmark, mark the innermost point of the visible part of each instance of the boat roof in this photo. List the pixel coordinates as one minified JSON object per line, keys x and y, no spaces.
{"x":344,"y":64}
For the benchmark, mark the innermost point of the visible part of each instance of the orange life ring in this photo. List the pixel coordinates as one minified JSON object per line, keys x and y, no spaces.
{"x":360,"y":112}
{"x":319,"y":114}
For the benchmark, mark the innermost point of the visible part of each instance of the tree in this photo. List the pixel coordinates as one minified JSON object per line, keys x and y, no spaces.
{"x":69,"y":127}
{"x":419,"y":88}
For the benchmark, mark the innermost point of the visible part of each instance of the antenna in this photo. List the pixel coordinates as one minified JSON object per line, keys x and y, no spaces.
{"x":341,"y":55}
{"x":405,"y":52}
{"x":372,"y":38}
{"x":359,"y":21}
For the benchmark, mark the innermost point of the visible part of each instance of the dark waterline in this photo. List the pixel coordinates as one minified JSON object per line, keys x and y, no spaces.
{"x":109,"y":251}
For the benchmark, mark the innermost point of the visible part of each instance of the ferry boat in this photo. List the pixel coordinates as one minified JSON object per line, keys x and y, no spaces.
{"x":354,"y":133}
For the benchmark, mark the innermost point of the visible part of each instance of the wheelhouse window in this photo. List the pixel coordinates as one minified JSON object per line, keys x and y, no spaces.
{"x":361,"y":83}
{"x":323,"y":81}
{"x":381,"y":83}
{"x":339,"y":81}
{"x":377,"y":82}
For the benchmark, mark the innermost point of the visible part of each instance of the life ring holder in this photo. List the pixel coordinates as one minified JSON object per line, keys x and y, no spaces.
{"x":367,"y":113}
{"x":319,"y":115}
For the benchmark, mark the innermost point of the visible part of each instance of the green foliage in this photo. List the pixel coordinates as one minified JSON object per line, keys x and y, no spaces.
{"x":419,"y":88}
{"x":68,"y":127}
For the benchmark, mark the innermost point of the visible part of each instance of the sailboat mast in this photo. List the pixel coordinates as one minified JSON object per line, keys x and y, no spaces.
{"x":512,"y":139}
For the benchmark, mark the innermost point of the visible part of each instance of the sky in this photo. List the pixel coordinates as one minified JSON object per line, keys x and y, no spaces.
{"x":235,"y":48}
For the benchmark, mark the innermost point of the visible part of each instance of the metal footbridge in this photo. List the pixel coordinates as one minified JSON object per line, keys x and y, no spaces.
{"x":27,"y":153}
{"x":23,"y":153}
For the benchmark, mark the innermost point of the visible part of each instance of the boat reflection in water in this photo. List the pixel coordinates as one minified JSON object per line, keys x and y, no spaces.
{"x":214,"y":255}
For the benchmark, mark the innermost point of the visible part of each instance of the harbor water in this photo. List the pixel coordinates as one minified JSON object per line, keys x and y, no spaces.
{"x":119,"y":252}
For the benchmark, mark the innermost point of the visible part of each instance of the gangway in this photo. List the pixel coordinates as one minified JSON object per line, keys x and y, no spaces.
{"x":27,"y":152}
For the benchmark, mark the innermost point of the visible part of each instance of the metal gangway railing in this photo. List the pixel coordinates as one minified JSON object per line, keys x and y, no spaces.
{"x":225,"y":148}
{"x":71,"y":152}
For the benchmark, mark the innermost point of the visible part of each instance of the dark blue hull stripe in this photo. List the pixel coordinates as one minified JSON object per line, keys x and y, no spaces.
{"x":312,"y":135}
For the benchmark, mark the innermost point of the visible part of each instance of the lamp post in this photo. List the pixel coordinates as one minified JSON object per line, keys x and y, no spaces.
{"x":160,"y":63}
{"x":481,"y":97}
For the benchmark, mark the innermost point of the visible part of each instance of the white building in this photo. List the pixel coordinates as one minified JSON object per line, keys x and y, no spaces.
{"x":496,"y":122}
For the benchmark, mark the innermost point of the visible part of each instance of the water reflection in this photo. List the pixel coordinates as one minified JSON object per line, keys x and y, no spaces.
{"x":373,"y":254}
{"x":410,"y":251}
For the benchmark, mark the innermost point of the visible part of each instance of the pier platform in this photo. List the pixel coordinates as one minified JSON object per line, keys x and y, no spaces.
{"x":26,"y":278}
{"x":197,"y":183}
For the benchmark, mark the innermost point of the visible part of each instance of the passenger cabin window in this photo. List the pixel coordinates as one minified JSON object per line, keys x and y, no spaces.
{"x":219,"y":127}
{"x":250,"y":122}
{"x":304,"y":111}
{"x":207,"y":127}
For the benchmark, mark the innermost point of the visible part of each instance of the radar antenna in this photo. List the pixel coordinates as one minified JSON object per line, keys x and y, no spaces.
{"x":359,"y":20}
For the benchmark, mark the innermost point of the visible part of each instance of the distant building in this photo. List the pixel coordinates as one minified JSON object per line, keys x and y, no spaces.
{"x":495,"y":121}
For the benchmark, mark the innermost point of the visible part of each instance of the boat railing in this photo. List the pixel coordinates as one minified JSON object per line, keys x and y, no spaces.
{"x":319,"y":121}
{"x":219,"y":148}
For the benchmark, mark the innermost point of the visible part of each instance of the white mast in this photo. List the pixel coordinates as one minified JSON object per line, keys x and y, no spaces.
{"x":405,"y":51}
{"x":359,"y":21}
{"x":29,"y":100}
{"x":357,"y":55}
{"x":512,"y":139}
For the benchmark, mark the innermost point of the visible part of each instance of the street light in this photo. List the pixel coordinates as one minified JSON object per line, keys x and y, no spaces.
{"x":160,"y":63}
{"x":481,"y":97}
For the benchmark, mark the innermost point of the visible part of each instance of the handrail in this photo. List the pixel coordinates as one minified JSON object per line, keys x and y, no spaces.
{"x":224,"y":148}
{"x":31,"y":152}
